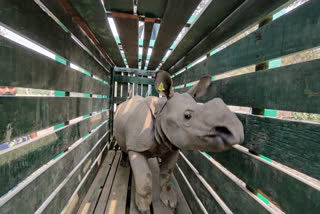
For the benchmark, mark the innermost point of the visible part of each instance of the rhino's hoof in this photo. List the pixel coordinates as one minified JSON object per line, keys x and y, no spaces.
{"x":169,"y":197}
{"x":143,"y":203}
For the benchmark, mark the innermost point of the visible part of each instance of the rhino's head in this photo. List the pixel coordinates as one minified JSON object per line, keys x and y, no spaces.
{"x":191,"y":126}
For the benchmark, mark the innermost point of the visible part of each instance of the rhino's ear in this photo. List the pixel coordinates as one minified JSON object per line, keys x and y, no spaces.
{"x":163,"y":83}
{"x":201,"y":88}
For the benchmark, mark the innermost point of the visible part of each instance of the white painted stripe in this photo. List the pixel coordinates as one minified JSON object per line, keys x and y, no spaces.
{"x":239,"y":182}
{"x":56,"y":191}
{"x":5,"y":32}
{"x":5,"y":198}
{"x":84,"y":179}
{"x":312,"y":182}
{"x":192,"y":191}
{"x":208,"y":187}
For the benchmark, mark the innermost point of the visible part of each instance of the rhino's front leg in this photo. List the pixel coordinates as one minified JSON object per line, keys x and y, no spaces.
{"x":143,"y":180}
{"x":167,"y":194}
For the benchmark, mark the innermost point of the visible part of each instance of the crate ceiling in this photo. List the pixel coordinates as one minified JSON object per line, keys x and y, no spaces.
{"x":139,"y":43}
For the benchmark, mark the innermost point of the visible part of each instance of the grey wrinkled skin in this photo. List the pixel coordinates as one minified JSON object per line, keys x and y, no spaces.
{"x":159,"y":127}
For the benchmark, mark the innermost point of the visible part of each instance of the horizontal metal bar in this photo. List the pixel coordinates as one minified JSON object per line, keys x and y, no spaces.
{"x":134,"y":71}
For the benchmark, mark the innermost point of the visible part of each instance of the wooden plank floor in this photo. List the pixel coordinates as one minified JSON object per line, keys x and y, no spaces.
{"x":112,"y":191}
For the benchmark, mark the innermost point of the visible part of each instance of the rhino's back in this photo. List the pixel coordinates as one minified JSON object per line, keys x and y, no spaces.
{"x":134,"y":124}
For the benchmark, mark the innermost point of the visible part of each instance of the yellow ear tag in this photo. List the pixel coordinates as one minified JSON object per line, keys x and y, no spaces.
{"x":161,"y":88}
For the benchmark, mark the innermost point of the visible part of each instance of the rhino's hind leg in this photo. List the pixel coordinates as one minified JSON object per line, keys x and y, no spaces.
{"x":167,"y":194}
{"x":143,"y":180}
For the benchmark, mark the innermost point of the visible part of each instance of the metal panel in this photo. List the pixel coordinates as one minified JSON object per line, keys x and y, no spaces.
{"x":58,"y":10}
{"x":25,"y":18}
{"x":128,"y":33}
{"x":147,"y":35}
{"x":153,"y":9}
{"x":26,"y":68}
{"x":176,"y":16}
{"x":28,"y":114}
{"x":213,"y":15}
{"x":17,"y":164}
{"x":94,"y":15}
{"x":296,"y":31}
{"x":125,"y":6}
{"x":250,"y":12}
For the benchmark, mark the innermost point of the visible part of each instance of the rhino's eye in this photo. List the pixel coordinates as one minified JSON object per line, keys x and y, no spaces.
{"x":187,"y":116}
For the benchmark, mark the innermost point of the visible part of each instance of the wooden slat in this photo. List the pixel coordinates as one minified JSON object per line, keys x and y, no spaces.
{"x":202,"y":27}
{"x":57,"y":10}
{"x":192,"y":74}
{"x":119,"y":100}
{"x":154,"y":91}
{"x":72,"y":182}
{"x":247,"y":14}
{"x":131,"y":88}
{"x":23,"y":115}
{"x":144,"y":90}
{"x":153,"y":9}
{"x":19,"y":163}
{"x":139,"y":90}
{"x":28,"y":69}
{"x":282,"y":186}
{"x":134,"y":71}
{"x":146,"y":39}
{"x":202,"y":192}
{"x":25,"y":19}
{"x":296,"y":31}
{"x":137,"y":80}
{"x":125,"y":6}
{"x":118,"y":89}
{"x":72,"y":206}
{"x":294,"y":88}
{"x":231,"y":193}
{"x":175,"y":17}
{"x":291,"y":143}
{"x":89,"y":202}
{"x":118,"y":195}
{"x":128,"y":33}
{"x":135,"y":85}
{"x":93,"y":14}
{"x":100,"y":208}
{"x":139,"y":87}
{"x":125,"y":88}
{"x":192,"y":202}
{"x":43,"y":184}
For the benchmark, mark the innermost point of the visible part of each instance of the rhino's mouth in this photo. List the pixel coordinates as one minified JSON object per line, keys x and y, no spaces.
{"x":212,"y":137}
{"x":220,"y":136}
{"x":218,"y":140}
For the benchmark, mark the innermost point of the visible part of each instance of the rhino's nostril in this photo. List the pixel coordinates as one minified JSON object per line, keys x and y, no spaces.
{"x":223,"y":131}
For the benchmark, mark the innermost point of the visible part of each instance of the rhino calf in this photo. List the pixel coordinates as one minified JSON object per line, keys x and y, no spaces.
{"x":159,"y":127}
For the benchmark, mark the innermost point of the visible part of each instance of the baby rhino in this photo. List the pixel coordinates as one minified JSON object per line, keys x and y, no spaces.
{"x":159,"y":127}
